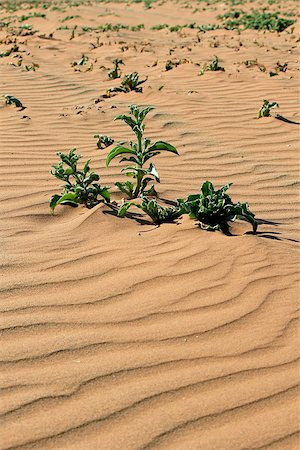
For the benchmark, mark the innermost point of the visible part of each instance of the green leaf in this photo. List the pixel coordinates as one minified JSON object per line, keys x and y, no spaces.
{"x":104,"y":192}
{"x":122,"y":211}
{"x":152,"y":171}
{"x":161,"y":145}
{"x":53,"y":201}
{"x":118,"y":150}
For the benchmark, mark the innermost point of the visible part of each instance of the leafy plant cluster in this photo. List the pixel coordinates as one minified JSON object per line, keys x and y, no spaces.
{"x":255,"y":20}
{"x":213,"y":209}
{"x":213,"y":66}
{"x":266,"y":108}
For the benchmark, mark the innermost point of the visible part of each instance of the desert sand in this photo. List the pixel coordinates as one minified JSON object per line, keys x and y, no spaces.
{"x":119,"y":335}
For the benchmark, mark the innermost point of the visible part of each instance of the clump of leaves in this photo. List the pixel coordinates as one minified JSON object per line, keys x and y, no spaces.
{"x":115,"y":72}
{"x":103,"y":141}
{"x":8,"y":52}
{"x":32,"y":67}
{"x":11,"y":100}
{"x":81,"y":62}
{"x":255,"y":20}
{"x":214,"y":208}
{"x":30,"y":15}
{"x":254,"y":63}
{"x":266,"y":108}
{"x":130,"y":82}
{"x":214,"y":66}
{"x":170,"y":64}
{"x":159,"y":26}
{"x":158,"y":213}
{"x":279,"y":68}
{"x":138,"y":154}
{"x":80,"y":185}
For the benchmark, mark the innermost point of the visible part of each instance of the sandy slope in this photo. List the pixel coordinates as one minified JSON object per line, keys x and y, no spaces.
{"x":117,"y":338}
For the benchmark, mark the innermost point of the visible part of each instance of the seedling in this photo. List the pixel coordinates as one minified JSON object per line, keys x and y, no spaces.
{"x":158,"y":213}
{"x":266,"y":107}
{"x":81,"y":62}
{"x":131,"y":82}
{"x":212,"y":67}
{"x":214,"y":209}
{"x":138,"y":153}
{"x":32,"y":67}
{"x":80,"y":185}
{"x":103,"y":140}
{"x":8,"y":52}
{"x":11,"y":100}
{"x":115,"y":71}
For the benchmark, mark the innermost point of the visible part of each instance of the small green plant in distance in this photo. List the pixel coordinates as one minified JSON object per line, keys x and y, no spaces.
{"x":103,"y":140}
{"x":80,"y":185}
{"x":214,"y":208}
{"x":266,"y":108}
{"x":214,"y":66}
{"x":132,"y":82}
{"x":115,"y":72}
{"x":138,"y":154}
{"x":158,"y":213}
{"x":11,"y":100}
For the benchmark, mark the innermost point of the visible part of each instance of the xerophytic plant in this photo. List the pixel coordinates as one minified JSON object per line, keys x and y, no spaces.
{"x":11,"y":100}
{"x":138,"y":154}
{"x":103,"y":141}
{"x":80,"y":185}
{"x":158,"y":213}
{"x":266,"y":108}
{"x":115,"y":72}
{"x":214,"y":208}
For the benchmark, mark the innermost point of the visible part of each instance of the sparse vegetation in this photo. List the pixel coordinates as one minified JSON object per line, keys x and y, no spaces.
{"x":138,"y":154}
{"x":214,"y":208}
{"x":80,"y":185}
{"x":266,"y":108}
{"x":103,"y":141}
{"x":158,"y":213}
{"x":11,"y":100}
{"x":115,"y":72}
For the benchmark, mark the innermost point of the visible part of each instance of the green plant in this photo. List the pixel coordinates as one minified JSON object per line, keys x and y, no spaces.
{"x":115,"y":71}
{"x":30,"y":15}
{"x":103,"y":140}
{"x":255,"y":20}
{"x":266,"y":107}
{"x":81,"y":62}
{"x":214,"y":208}
{"x":131,"y":82}
{"x":80,"y":185}
{"x":8,"y":52}
{"x":11,"y":100}
{"x":212,"y":67}
{"x":158,"y":213}
{"x":138,"y":153}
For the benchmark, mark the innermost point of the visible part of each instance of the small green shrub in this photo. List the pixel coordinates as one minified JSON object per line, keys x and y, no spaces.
{"x":214,"y":66}
{"x":80,"y":185}
{"x":158,"y":213}
{"x":11,"y":100}
{"x":138,"y":153}
{"x":214,"y":208}
{"x":115,"y":71}
{"x":266,"y":108}
{"x":103,"y":140}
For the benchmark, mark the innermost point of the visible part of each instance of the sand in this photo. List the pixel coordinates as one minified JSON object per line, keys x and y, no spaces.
{"x":121,"y":335}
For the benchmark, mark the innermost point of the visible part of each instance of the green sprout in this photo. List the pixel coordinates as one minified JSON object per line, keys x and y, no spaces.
{"x":115,"y":71}
{"x":266,"y":107}
{"x":103,"y":140}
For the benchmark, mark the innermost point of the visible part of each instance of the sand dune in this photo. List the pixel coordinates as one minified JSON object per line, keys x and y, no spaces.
{"x":117,"y":335}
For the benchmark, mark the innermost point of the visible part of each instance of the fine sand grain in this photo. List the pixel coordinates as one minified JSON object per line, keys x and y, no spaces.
{"x":114,"y":338}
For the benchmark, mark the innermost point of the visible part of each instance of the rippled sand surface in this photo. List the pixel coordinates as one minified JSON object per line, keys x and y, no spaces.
{"x":118,"y":335}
